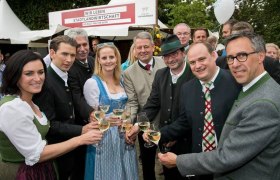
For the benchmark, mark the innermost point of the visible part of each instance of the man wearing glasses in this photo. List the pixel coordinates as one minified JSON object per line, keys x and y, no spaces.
{"x":249,"y":147}
{"x":193,"y":111}
{"x":183,"y":32}
{"x":164,"y":97}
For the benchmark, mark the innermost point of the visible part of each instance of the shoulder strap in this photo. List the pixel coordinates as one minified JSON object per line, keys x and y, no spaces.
{"x":100,"y":86}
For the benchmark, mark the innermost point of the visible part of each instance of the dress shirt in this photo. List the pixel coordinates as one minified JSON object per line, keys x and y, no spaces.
{"x":61,"y":74}
{"x":150,"y":62}
{"x":246,"y":87}
{"x":175,"y":77}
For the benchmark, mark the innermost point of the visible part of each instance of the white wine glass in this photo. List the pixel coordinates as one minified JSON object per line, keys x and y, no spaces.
{"x":117,"y":108}
{"x":143,"y":122}
{"x":154,"y":136}
{"x":104,"y":104}
{"x":126,"y":118}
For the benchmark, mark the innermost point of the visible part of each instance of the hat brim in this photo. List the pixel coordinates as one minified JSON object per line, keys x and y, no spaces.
{"x":170,"y":50}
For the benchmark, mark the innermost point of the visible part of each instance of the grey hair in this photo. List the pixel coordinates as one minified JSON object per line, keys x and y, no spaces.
{"x":181,"y":24}
{"x":257,"y":41}
{"x":74,"y":32}
{"x":144,"y":35}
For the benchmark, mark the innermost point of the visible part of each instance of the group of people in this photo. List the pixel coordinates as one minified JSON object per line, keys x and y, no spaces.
{"x":214,"y":123}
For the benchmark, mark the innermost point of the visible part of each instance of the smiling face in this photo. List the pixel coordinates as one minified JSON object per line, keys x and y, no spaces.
{"x":202,"y":62}
{"x":144,"y":49}
{"x":32,"y":78}
{"x":64,"y":57}
{"x":245,"y":72}
{"x":107,"y":59}
{"x":175,"y":61}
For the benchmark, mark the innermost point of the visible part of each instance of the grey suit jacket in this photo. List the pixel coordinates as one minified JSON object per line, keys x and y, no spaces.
{"x":249,"y":146}
{"x":138,"y":84}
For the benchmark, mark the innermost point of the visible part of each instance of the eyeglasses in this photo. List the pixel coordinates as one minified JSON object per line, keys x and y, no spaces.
{"x":183,"y":34}
{"x":105,"y":44}
{"x":173,"y":55}
{"x":241,"y":57}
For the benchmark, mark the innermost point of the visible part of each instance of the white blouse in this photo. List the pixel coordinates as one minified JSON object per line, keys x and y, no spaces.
{"x":92,"y":92}
{"x":16,"y":121}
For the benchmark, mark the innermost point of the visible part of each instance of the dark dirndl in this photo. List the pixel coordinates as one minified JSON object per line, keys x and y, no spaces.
{"x":42,"y":171}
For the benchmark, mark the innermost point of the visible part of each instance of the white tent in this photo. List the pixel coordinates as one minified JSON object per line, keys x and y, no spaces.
{"x":10,"y":25}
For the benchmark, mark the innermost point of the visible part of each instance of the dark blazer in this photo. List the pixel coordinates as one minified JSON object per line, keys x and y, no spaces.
{"x":270,"y":65}
{"x":55,"y":100}
{"x":77,"y":76}
{"x":164,"y":98}
{"x":192,"y":107}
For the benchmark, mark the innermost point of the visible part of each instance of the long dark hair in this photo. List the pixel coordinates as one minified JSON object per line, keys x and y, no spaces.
{"x":13,"y":70}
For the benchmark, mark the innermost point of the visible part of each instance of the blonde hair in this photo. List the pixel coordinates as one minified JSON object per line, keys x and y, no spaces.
{"x":98,"y":68}
{"x":131,"y":55}
{"x":272,"y":45}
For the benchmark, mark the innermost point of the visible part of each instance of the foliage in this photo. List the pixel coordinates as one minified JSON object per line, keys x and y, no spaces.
{"x":263,"y":15}
{"x":34,"y":13}
{"x":157,"y":37}
{"x":192,"y":12}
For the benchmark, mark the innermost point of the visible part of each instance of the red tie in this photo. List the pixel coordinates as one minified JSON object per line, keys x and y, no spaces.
{"x":147,"y":67}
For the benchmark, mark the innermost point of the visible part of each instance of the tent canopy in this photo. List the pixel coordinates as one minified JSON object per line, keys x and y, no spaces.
{"x":10,"y":25}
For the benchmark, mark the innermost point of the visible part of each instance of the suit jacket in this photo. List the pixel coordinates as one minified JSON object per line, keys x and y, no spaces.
{"x":77,"y":76}
{"x":165,"y":96}
{"x":249,"y":147}
{"x":270,"y":65}
{"x":192,"y":106}
{"x":164,"y":99}
{"x":138,"y":84}
{"x":55,"y":100}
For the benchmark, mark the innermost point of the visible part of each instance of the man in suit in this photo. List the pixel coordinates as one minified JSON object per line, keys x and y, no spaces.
{"x":80,"y":71}
{"x":192,"y":116}
{"x":271,"y":66}
{"x":249,"y":146}
{"x":164,"y":97}
{"x":138,"y":79}
{"x":56,"y":102}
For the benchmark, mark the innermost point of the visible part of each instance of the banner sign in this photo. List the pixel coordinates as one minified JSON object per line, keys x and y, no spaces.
{"x":138,"y":12}
{"x":111,"y":15}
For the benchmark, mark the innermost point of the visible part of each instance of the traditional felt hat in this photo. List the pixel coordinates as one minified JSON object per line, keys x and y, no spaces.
{"x":170,"y":45}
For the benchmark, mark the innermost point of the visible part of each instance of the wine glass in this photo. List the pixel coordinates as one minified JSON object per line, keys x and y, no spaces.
{"x":126,"y":118}
{"x":143,"y":122}
{"x":103,"y":124}
{"x":104,"y":104}
{"x":153,"y":135}
{"x":118,"y":108}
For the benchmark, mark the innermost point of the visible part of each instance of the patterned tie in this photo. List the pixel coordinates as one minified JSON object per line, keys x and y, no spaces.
{"x":208,"y":138}
{"x":147,"y":67}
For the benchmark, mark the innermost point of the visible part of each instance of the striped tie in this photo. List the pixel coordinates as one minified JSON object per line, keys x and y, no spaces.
{"x":208,"y":138}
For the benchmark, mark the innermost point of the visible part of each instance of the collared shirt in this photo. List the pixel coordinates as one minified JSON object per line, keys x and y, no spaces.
{"x":61,"y":74}
{"x":246,"y":87}
{"x":175,"y":77}
{"x":212,"y":80}
{"x":150,"y":62}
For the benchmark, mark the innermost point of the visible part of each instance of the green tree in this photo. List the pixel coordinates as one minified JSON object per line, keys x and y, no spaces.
{"x":34,"y":13}
{"x":192,"y":12}
{"x":264,"y":17}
